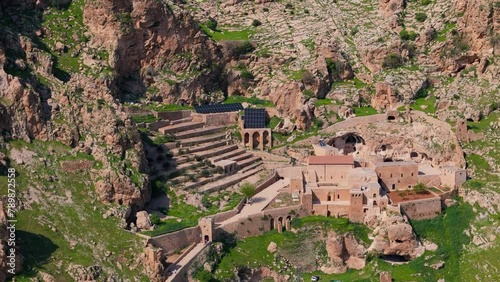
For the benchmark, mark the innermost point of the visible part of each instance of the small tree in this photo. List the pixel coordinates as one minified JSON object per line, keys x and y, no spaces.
{"x":256,"y":22}
{"x":392,"y":60}
{"x":248,"y":190}
{"x":421,"y":17}
{"x":420,"y":188}
{"x":211,"y":24}
{"x":155,"y":219}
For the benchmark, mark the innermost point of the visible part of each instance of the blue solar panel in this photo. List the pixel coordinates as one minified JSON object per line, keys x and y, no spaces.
{"x":218,"y":108}
{"x":254,"y":118}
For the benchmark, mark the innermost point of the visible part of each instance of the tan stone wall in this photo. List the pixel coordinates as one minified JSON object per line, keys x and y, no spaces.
{"x":172,"y":242}
{"x":452,"y":178}
{"x":173,"y":115}
{"x":336,"y":174}
{"x":422,"y":209}
{"x":402,"y":177}
{"x":430,"y":180}
{"x":356,"y":213}
{"x":260,"y":223}
{"x":331,"y":210}
{"x":270,"y":181}
{"x":216,"y":119}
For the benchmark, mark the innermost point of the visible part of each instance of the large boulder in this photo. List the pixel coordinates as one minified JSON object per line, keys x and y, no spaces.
{"x":143,"y":221}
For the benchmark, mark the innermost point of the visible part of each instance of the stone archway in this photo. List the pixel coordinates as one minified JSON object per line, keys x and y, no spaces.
{"x":256,"y":139}
{"x":246,"y":138}
{"x":265,"y":139}
{"x":272,"y":223}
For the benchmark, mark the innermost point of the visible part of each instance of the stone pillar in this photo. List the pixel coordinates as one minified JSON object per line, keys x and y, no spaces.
{"x":262,"y":140}
{"x":287,"y":225}
{"x":280,"y":227}
{"x":250,"y":140}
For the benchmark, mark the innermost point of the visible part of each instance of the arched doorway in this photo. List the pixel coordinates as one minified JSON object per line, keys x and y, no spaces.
{"x":206,"y":239}
{"x":256,"y":139}
{"x":246,"y":138}
{"x":272,"y":224}
{"x":265,"y":138}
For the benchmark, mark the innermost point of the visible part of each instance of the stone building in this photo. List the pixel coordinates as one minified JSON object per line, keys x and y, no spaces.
{"x":254,"y":133}
{"x":397,"y":175}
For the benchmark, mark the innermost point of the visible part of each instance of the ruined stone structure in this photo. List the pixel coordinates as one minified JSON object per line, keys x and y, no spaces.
{"x":254,"y":133}
{"x":256,"y":138}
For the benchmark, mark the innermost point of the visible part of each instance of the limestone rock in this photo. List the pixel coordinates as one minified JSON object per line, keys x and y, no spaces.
{"x":272,"y":247}
{"x":143,"y":221}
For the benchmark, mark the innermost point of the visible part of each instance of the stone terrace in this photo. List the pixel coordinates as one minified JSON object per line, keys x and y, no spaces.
{"x":189,"y":162}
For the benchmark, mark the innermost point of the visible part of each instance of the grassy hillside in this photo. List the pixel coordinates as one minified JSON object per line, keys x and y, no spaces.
{"x":61,"y":225}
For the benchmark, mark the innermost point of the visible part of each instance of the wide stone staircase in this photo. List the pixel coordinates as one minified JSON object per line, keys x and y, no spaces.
{"x":188,"y":162}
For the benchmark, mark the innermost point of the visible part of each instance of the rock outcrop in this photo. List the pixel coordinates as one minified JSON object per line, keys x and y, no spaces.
{"x":147,"y":38}
{"x":344,"y":252}
{"x":394,"y":237}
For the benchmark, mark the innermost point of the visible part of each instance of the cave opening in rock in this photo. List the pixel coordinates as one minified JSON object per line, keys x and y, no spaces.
{"x":391,"y":117}
{"x":395,"y":258}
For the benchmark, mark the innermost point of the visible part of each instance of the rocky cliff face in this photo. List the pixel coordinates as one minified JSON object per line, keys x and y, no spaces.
{"x":151,"y":44}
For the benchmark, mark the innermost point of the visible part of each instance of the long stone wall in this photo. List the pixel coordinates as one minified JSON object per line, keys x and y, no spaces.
{"x":172,"y":242}
{"x":259,"y":223}
{"x":174,"y":115}
{"x":422,"y":209}
{"x":216,"y":119}
{"x":270,"y":181}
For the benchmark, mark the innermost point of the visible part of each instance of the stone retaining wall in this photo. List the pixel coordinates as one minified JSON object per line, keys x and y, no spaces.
{"x":422,"y":209}
{"x":174,"y":115}
{"x":216,"y":119}
{"x":172,"y":242}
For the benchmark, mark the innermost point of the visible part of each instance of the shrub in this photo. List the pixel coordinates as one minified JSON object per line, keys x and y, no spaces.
{"x":256,"y":22}
{"x":211,"y":24}
{"x":248,"y":190}
{"x":205,"y":202}
{"x":265,"y":9}
{"x":155,"y":219}
{"x":306,"y":11}
{"x":243,"y":48}
{"x":392,"y":60}
{"x":426,"y":2}
{"x":420,"y":17}
{"x":420,"y":188}
{"x":405,"y":35}
{"x":288,"y":6}
{"x":205,"y":173}
{"x":246,"y":74}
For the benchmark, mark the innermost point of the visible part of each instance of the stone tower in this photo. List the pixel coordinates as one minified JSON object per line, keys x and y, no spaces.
{"x":461,"y":130}
{"x":356,"y":213}
{"x":207,"y":226}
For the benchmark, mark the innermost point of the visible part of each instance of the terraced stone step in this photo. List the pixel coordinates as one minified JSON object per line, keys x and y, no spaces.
{"x":228,"y":181}
{"x":201,"y":147}
{"x":184,"y":126}
{"x":247,"y":162}
{"x":250,"y":167}
{"x":199,"y":132}
{"x":202,"y":139}
{"x":241,"y":157}
{"x":228,"y":155}
{"x":216,"y":151}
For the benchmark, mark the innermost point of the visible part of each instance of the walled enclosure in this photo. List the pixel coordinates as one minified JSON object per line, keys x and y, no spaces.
{"x":422,"y":209}
{"x":172,"y":242}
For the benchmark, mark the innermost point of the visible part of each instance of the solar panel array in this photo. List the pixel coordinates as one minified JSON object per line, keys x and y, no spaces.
{"x":218,"y":108}
{"x":254,"y":118}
